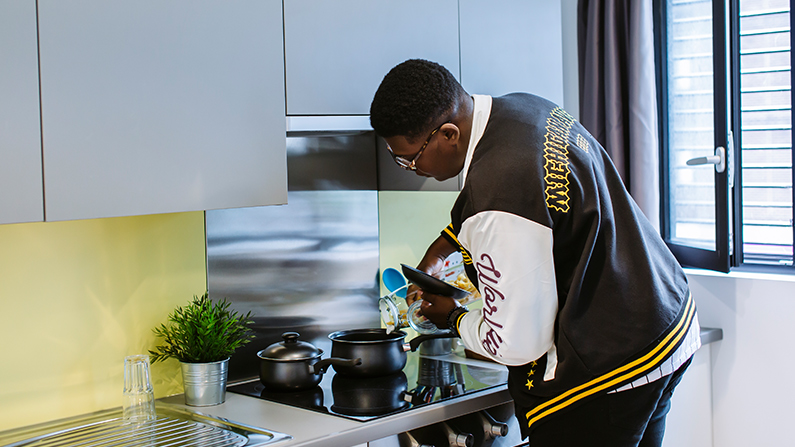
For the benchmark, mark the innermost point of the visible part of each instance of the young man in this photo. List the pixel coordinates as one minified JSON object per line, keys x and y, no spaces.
{"x":582,"y":300}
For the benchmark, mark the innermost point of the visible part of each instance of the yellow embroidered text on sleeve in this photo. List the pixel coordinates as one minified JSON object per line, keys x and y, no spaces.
{"x":556,"y":165}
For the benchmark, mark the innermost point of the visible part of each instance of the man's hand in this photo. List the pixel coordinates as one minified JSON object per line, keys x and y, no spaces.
{"x":436,"y":308}
{"x":433,"y":268}
{"x":432,"y":263}
{"x":413,"y":293}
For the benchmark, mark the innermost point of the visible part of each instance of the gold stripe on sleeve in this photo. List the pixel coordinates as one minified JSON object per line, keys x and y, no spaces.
{"x":464,"y":253}
{"x":449,"y":231}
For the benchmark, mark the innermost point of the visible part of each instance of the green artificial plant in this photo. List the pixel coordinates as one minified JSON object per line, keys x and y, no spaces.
{"x":204,"y":331}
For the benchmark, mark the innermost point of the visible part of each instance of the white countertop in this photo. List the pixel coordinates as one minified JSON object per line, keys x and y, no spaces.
{"x":311,"y":428}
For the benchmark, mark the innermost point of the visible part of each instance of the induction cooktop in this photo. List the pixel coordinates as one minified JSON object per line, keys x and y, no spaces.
{"x":424,"y":380}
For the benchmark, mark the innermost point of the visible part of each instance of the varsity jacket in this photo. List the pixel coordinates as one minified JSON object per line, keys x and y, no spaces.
{"x":580,"y":294}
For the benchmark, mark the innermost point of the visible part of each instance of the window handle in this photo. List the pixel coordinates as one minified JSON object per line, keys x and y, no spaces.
{"x":719,"y":160}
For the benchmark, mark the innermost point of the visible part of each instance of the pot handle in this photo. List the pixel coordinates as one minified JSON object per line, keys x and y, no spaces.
{"x":415,"y":342}
{"x":321,"y":366}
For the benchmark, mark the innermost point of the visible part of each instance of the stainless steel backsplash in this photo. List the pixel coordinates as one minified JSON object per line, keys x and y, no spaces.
{"x":310,"y":266}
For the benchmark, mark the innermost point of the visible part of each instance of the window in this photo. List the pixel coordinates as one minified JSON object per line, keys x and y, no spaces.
{"x":766,"y":131}
{"x":726,"y":129}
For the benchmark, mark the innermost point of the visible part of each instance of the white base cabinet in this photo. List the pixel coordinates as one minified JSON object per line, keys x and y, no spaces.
{"x":153,"y":107}
{"x":689,"y":423}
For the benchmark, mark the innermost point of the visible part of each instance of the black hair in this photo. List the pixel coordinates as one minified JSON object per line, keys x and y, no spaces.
{"x":412,"y":97}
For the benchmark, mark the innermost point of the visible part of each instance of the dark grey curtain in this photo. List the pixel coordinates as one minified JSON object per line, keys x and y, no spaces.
{"x":618,"y":102}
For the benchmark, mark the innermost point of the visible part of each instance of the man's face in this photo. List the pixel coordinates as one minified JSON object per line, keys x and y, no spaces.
{"x":432,"y":157}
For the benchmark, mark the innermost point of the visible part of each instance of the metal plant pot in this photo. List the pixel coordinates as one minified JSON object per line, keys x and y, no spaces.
{"x":205,"y":383}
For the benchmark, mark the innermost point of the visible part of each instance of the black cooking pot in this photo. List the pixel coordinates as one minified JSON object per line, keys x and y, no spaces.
{"x":369,"y":396}
{"x":382,"y":353}
{"x":244,"y":362}
{"x":292,"y":364}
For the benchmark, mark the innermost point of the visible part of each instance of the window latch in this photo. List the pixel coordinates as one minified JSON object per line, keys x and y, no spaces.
{"x":719,"y":160}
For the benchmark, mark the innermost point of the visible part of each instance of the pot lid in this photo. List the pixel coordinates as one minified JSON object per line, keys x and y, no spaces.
{"x":291,"y":348}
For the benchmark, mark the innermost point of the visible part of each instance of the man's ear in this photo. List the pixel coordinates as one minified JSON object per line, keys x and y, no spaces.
{"x":450,"y":132}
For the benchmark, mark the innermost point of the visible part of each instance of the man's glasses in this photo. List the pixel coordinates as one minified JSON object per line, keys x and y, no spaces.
{"x":411,"y":165}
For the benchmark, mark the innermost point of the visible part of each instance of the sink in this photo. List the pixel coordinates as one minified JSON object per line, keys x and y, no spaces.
{"x":173,"y":427}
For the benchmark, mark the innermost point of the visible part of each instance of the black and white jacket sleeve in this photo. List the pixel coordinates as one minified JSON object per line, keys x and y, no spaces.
{"x":515,"y":273}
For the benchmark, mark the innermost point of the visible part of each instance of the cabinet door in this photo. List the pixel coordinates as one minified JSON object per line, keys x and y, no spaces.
{"x":512,"y":46}
{"x":152,"y":107}
{"x":21,"y":198}
{"x":337,"y":52}
{"x":689,"y":424}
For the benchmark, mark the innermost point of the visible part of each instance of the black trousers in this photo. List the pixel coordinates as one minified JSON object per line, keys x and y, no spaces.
{"x":631,"y":418}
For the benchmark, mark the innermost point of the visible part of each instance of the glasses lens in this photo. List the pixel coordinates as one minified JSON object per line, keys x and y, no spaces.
{"x":402,"y":162}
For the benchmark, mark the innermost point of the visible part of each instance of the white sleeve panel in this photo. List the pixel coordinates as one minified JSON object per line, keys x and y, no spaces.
{"x":516,"y":276}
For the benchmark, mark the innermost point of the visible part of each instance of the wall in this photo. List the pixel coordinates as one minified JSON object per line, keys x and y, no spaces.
{"x":752,"y":388}
{"x":408,"y":221}
{"x":571,"y":86}
{"x":79,"y":296}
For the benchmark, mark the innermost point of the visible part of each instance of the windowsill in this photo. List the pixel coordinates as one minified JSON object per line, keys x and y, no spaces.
{"x":742,"y":274}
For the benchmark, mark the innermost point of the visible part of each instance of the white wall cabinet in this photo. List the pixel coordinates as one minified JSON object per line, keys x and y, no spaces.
{"x":512,"y":46}
{"x":337,"y":52}
{"x":152,"y":107}
{"x":21,"y":198}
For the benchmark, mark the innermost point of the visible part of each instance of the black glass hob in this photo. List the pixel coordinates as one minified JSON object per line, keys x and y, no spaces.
{"x":424,"y":381}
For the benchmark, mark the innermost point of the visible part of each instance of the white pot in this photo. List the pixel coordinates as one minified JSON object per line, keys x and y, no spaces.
{"x":205,"y":383}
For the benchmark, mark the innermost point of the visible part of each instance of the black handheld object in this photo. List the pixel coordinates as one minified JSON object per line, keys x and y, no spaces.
{"x":432,"y":285}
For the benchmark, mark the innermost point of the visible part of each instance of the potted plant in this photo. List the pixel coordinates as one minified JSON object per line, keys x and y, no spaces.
{"x":202,"y":336}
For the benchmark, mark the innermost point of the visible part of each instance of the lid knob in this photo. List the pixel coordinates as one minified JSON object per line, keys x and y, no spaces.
{"x":290,"y":348}
{"x":290,"y":337}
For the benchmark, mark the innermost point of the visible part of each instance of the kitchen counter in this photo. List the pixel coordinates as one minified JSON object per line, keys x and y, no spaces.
{"x":309,"y":428}
{"x":711,"y":334}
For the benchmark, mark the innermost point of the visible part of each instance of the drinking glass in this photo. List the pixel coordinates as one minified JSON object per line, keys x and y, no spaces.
{"x":397,"y":314}
{"x":139,"y":397}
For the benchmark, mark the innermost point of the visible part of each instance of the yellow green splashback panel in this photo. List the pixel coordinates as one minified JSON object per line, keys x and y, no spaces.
{"x":408,"y":222}
{"x":79,"y":296}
